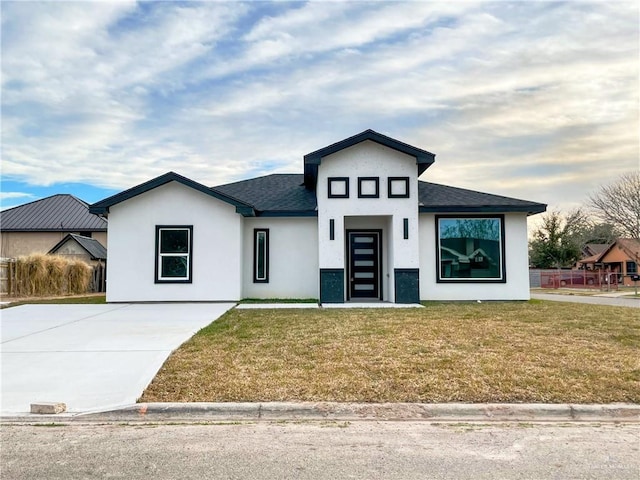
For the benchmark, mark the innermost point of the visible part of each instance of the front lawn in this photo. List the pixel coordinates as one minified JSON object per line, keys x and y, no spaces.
{"x":447,"y":352}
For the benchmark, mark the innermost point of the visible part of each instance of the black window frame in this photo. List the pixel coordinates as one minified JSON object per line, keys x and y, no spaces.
{"x":390,"y":193}
{"x":332,"y":180}
{"x":634,"y":267}
{"x":376,"y":180}
{"x":502,"y":250}
{"x":255,"y":255}
{"x":158,"y":255}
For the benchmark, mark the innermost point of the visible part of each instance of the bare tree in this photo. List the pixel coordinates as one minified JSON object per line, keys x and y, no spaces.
{"x":619,"y":204}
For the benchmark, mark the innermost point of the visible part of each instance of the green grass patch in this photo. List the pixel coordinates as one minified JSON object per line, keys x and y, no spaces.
{"x":447,"y":352}
{"x":88,"y":299}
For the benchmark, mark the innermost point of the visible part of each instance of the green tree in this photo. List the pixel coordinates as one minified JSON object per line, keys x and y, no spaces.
{"x":554,"y":243}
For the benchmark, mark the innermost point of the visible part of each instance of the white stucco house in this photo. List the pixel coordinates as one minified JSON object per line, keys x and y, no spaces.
{"x":357,"y":225}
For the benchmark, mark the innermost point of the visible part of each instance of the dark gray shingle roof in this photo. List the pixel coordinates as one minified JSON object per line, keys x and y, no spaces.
{"x":444,"y":199}
{"x":273,"y":194}
{"x":62,"y":212}
{"x":285,"y":193}
{"x":91,"y":245}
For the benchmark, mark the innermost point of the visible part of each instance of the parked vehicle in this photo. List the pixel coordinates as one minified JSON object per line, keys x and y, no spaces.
{"x":579,"y":279}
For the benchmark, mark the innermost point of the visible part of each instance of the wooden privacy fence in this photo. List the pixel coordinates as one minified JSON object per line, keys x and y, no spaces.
{"x":35,"y":279}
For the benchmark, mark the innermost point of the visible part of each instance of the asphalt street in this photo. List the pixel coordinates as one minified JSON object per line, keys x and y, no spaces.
{"x":319,"y":450}
{"x":591,"y":300}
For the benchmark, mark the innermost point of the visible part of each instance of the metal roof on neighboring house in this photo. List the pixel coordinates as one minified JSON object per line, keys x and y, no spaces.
{"x":92,"y":246}
{"x":61,"y":212}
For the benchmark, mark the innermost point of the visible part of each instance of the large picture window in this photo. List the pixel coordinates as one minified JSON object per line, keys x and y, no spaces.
{"x":174,"y":245}
{"x":261,"y":255}
{"x":470,"y":249}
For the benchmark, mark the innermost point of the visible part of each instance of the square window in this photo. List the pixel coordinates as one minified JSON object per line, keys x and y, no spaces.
{"x":174,"y":245}
{"x":339,"y":187}
{"x":398,"y":187}
{"x":470,"y":249}
{"x":368,"y":187}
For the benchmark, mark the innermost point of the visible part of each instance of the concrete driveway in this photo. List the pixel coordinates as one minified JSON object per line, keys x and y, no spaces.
{"x":91,"y":357}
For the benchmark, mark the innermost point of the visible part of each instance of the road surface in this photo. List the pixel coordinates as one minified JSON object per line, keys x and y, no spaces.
{"x":319,"y":450}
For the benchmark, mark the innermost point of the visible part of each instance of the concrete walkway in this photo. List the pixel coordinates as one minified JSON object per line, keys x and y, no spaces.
{"x":249,"y":306}
{"x":619,"y":301}
{"x":90,"y":357}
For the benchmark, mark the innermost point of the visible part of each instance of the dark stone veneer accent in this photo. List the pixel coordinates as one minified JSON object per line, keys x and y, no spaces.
{"x":407,"y":285}
{"x":332,"y":285}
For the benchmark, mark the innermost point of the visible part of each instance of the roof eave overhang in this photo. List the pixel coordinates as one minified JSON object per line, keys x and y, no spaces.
{"x":528,"y":209}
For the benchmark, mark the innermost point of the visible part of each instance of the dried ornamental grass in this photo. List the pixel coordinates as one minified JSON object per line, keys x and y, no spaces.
{"x":78,"y":277}
{"x":41,"y":275}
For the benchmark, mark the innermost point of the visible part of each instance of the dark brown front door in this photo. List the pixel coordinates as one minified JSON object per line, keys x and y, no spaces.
{"x":364,"y":263}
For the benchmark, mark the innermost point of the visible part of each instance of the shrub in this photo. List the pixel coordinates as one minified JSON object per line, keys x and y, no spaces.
{"x":40,"y":275}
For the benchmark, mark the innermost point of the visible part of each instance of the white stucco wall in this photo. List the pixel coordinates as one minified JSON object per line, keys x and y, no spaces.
{"x":217,"y":246}
{"x":369,"y":159}
{"x":516,"y":261}
{"x":293,"y":258}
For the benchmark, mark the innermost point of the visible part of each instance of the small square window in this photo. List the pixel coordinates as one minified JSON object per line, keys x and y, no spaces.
{"x":368,"y":187}
{"x":339,"y":187}
{"x":398,"y":187}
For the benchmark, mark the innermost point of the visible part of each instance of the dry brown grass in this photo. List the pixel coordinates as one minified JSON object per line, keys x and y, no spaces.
{"x":45,"y":275}
{"x":491,"y":352}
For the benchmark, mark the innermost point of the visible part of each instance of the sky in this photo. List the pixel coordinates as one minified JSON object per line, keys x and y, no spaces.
{"x":536,"y":100}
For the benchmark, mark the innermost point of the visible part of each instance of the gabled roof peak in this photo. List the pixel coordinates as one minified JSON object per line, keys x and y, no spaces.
{"x":312,"y":160}
{"x":102,"y":207}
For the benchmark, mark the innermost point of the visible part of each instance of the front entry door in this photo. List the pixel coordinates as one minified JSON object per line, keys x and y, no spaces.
{"x":364,"y":264}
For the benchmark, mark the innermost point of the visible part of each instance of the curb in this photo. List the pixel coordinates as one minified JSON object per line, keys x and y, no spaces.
{"x":334,"y":411}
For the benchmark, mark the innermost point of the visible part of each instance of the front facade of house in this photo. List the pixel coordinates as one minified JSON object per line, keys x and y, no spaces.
{"x":357,"y":226}
{"x":621,"y":258}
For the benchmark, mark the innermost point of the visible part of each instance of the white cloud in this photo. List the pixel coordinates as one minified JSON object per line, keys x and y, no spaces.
{"x":528,"y":99}
{"x":6,"y":195}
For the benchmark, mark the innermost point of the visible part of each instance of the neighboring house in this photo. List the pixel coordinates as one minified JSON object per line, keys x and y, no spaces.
{"x":621,"y":257}
{"x":357,"y":225}
{"x":38,"y":226}
{"x":590,"y":254}
{"x":77,"y":247}
{"x":591,"y":249}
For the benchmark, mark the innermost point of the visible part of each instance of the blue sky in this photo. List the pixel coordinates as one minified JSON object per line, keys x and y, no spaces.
{"x":535,"y":100}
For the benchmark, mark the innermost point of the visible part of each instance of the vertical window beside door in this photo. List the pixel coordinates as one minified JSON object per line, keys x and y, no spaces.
{"x":174,"y":251}
{"x":261,"y":255}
